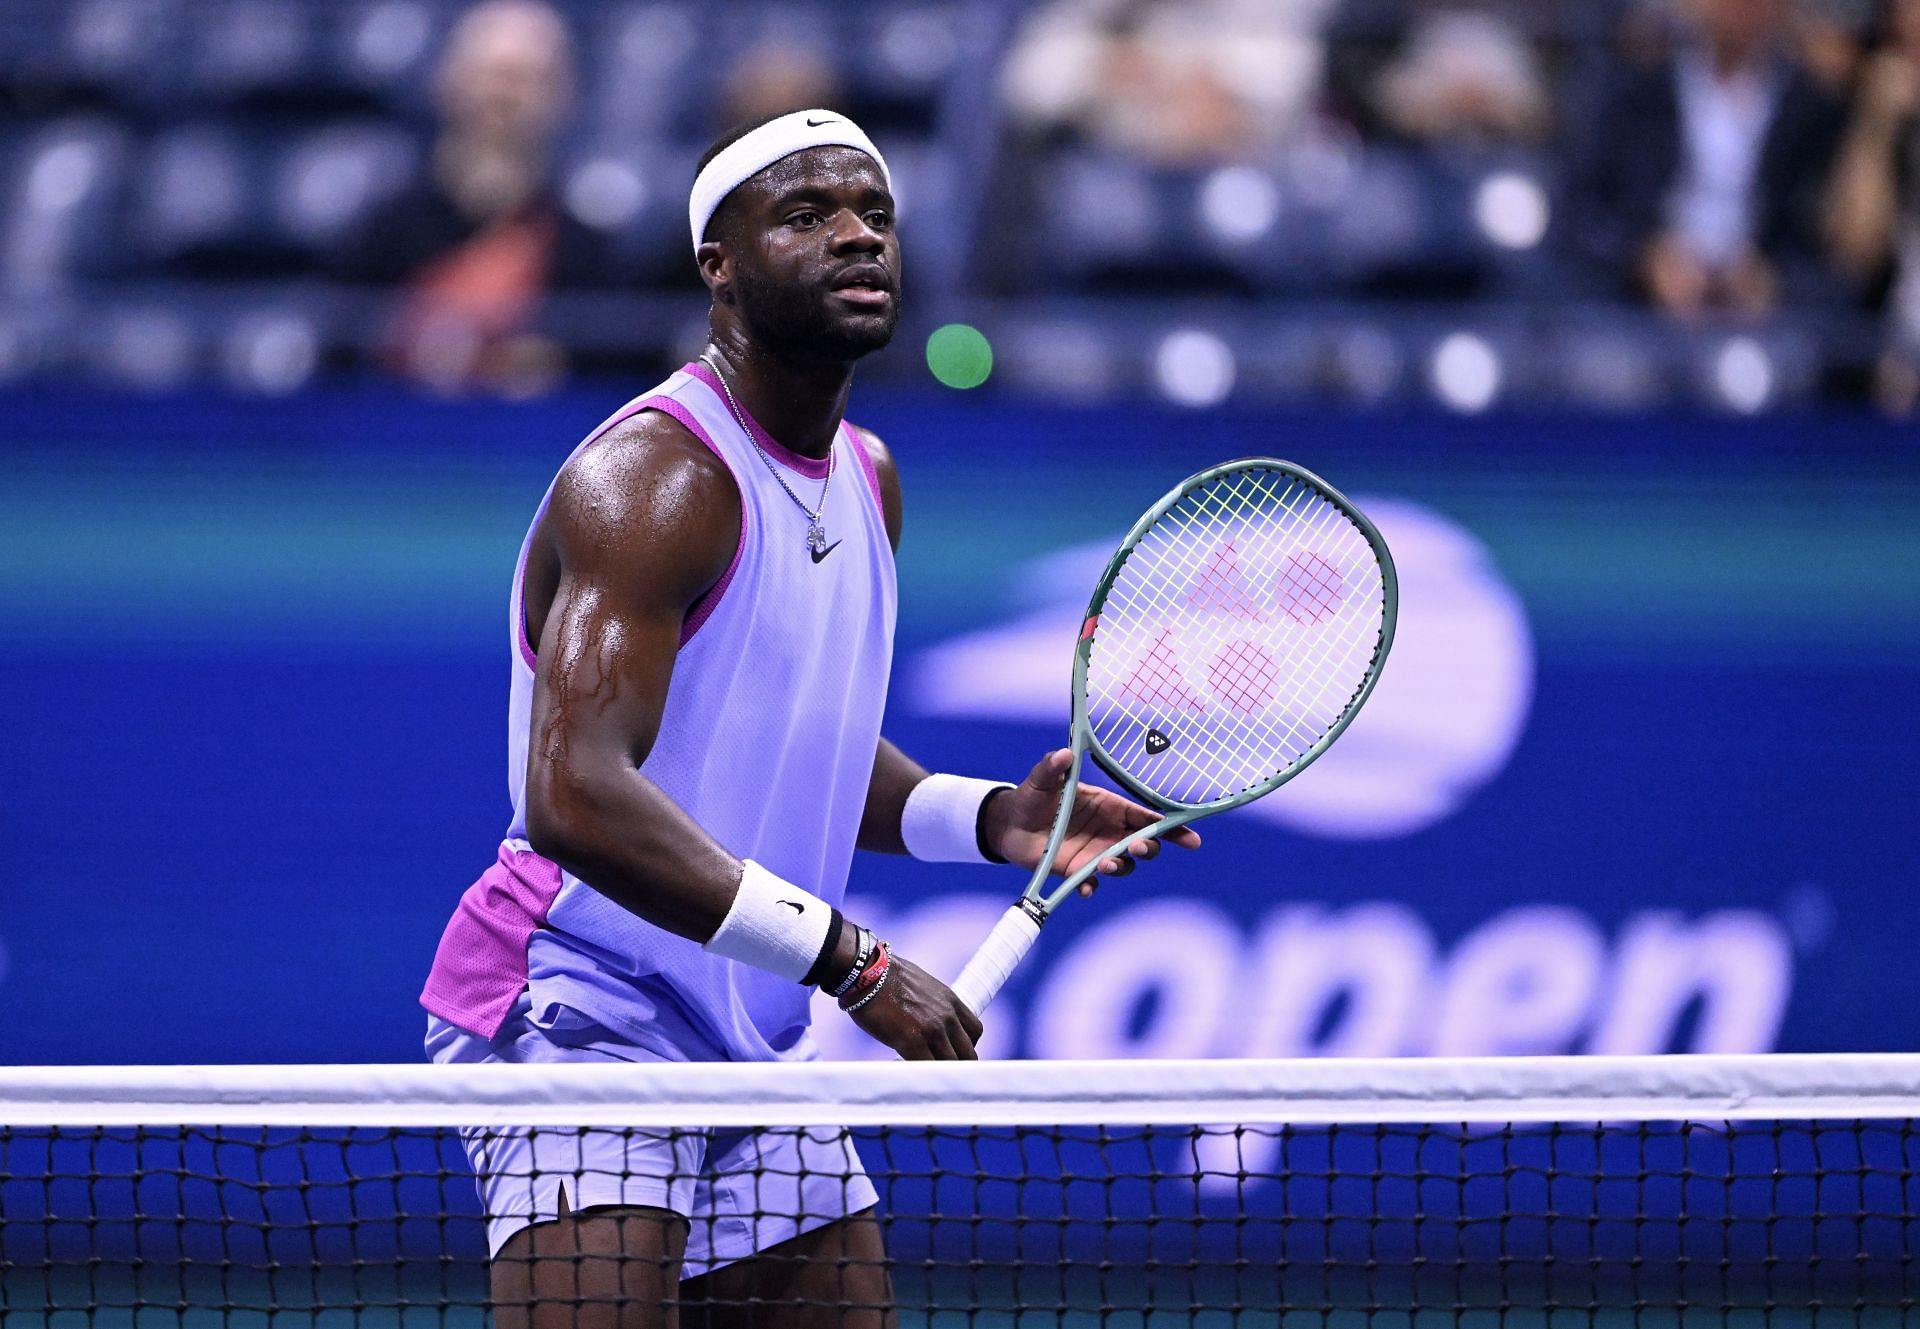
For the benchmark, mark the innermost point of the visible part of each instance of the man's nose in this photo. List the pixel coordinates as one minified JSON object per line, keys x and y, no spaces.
{"x":852,"y":234}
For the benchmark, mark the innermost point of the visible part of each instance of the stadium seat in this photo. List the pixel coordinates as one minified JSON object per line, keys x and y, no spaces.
{"x":1113,"y":221}
{"x":671,"y":101}
{"x":381,"y":52}
{"x":111,"y":53}
{"x":55,"y":221}
{"x":327,"y":180}
{"x":304,"y":60}
{"x":636,"y":196}
{"x":215,"y":202}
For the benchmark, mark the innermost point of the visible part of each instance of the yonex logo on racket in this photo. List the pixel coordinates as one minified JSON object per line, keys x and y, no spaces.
{"x":1157,"y":742}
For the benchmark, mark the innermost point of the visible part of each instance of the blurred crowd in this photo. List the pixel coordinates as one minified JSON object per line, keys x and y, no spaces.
{"x":1608,"y":202}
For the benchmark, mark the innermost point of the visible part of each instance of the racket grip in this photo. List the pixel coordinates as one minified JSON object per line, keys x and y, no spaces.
{"x":1012,"y":937}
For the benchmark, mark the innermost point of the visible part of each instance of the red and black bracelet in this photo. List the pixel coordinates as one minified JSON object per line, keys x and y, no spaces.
{"x":863,"y":945}
{"x":872,"y":978}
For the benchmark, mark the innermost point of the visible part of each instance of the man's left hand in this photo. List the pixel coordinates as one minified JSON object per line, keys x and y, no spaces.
{"x":1019,"y":821}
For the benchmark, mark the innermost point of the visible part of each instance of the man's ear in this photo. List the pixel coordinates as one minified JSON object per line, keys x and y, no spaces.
{"x":716,"y":268}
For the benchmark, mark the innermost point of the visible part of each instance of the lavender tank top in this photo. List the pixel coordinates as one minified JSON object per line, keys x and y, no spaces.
{"x":767,"y":741}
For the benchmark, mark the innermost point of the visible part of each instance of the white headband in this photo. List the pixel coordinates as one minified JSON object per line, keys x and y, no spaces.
{"x":757,"y":149}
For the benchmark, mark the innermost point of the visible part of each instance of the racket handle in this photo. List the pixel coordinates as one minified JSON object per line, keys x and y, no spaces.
{"x":1008,"y":943}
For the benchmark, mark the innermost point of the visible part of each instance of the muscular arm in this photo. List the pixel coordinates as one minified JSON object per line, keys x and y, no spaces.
{"x":642,"y":523}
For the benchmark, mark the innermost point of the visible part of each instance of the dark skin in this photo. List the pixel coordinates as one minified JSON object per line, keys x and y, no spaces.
{"x":642,"y":524}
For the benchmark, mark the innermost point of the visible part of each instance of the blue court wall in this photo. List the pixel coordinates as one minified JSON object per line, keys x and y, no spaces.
{"x":1641,"y":775}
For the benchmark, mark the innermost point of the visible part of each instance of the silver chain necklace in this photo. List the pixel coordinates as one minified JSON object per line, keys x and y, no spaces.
{"x":816,"y":529}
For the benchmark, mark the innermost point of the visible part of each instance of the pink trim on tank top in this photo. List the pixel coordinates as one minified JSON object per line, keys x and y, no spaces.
{"x":520,"y":594}
{"x":866,"y":465}
{"x":481,"y":964}
{"x":702,"y":608}
{"x":814,"y":468}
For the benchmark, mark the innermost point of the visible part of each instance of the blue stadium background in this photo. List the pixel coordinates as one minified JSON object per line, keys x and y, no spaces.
{"x":1641,"y":776}
{"x":1645,"y":780}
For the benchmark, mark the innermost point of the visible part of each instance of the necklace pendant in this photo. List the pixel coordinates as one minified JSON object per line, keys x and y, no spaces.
{"x":816,"y":537}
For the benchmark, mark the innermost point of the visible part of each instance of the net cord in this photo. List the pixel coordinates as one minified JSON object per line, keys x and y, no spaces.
{"x":1011,"y":1093}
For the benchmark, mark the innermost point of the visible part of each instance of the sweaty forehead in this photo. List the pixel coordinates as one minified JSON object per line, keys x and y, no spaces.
{"x":830,"y":169}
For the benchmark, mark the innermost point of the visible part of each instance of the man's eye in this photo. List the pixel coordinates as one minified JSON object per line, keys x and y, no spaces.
{"x":806,"y":219}
{"x":879,"y":220}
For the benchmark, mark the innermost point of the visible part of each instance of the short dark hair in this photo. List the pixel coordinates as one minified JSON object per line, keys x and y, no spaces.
{"x":720,"y":145}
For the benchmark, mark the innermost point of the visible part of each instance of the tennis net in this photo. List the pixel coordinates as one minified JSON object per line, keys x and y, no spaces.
{"x":1677,"y":1191}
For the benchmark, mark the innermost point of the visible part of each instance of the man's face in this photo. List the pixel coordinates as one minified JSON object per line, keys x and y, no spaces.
{"x":1741,"y":23}
{"x":507,"y":76}
{"x":816,"y":263}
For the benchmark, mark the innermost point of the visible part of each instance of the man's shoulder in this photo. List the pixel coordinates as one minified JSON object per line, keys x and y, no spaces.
{"x":887,"y":475}
{"x":642,"y":452}
{"x":649,"y":488}
{"x":876,"y":448}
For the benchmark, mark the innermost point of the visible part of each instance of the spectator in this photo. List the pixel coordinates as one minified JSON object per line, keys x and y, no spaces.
{"x":1705,"y":184}
{"x":1873,"y":220}
{"x":1174,"y":82}
{"x":1464,"y":77}
{"x":480,"y":236}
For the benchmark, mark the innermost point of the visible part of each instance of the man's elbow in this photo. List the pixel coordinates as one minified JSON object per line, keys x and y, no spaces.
{"x":559,"y":815}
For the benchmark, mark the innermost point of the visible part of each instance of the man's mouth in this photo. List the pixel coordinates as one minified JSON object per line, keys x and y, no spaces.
{"x":867,"y":286}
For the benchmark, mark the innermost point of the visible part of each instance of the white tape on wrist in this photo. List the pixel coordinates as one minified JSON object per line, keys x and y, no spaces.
{"x":773,"y":925}
{"x":941,"y":821}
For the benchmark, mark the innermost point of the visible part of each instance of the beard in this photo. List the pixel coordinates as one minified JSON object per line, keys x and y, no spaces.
{"x":797,"y":322}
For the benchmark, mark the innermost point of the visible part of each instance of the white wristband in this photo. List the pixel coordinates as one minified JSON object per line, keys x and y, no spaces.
{"x":773,"y":925}
{"x":941,"y":821}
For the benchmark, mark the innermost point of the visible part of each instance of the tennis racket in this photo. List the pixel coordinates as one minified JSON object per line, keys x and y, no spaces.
{"x":1234,"y":635}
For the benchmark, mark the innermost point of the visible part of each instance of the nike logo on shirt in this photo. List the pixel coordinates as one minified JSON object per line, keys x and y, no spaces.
{"x":818,"y":554}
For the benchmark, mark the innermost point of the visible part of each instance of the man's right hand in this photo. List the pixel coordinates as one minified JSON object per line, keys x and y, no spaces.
{"x":918,"y":1016}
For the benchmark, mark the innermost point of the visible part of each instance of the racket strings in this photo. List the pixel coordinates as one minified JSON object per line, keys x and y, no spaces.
{"x":1239,"y":630}
{"x":1217,"y":752}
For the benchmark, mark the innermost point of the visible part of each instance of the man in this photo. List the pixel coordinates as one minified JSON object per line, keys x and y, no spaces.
{"x":480,"y":237}
{"x":1702,"y":188}
{"x":668,"y":888}
{"x":1873,"y":210}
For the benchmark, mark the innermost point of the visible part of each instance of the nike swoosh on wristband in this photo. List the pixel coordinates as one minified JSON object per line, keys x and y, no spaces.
{"x":815,"y":124}
{"x":818,"y":554}
{"x":794,"y":905}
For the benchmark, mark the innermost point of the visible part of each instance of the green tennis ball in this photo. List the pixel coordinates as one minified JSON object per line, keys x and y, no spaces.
{"x":959,"y":356}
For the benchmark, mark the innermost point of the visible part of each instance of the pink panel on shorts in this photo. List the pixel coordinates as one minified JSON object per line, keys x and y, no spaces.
{"x":481,"y":964}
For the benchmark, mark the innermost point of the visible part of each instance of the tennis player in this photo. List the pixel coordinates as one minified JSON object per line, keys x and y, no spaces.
{"x":702,"y":620}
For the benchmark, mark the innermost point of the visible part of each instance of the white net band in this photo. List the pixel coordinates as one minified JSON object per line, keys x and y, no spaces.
{"x":1012,"y":1093}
